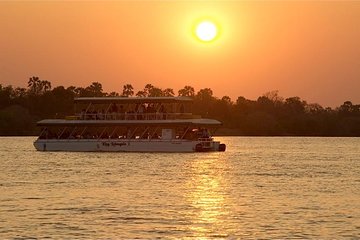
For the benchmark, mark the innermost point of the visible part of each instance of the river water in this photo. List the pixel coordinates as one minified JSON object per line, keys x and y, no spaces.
{"x":261,"y":187}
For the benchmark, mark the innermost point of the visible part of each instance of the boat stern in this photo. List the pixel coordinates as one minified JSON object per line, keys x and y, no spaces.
{"x":208,"y":145}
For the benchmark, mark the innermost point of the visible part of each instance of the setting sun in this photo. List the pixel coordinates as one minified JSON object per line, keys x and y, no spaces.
{"x":206,"y":31}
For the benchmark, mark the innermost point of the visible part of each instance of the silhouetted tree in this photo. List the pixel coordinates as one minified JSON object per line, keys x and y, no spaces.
{"x":274,"y":96}
{"x":222,"y":109}
{"x":148,"y":88}
{"x":150,"y":91}
{"x":156,"y":92}
{"x":5,"y":96}
{"x":37,"y":86}
{"x":187,"y":91}
{"x":270,"y":114}
{"x":205,"y":94}
{"x":295,"y":105}
{"x":226,"y":99}
{"x":168,"y":92}
{"x":113,"y":94}
{"x":244,"y":105}
{"x":128,"y":90}
{"x":348,"y":109}
{"x":20,"y":92}
{"x":204,"y":101}
{"x":141,"y":94}
{"x":314,"y":108}
{"x":45,"y":86}
{"x":16,"y":120}
{"x":95,"y":90}
{"x":34,"y":85}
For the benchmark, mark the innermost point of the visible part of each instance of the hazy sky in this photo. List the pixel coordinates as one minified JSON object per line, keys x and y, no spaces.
{"x":306,"y":49}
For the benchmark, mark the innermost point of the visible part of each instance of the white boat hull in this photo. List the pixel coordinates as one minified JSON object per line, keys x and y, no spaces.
{"x":123,"y":145}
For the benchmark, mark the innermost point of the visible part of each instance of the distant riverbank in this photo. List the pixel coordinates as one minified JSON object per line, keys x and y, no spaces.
{"x":269,"y":115}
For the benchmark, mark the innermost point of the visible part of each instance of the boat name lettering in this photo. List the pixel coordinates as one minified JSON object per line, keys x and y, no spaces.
{"x":114,"y":144}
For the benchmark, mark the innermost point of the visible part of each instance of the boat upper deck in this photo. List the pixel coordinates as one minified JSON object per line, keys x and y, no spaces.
{"x":111,"y":116}
{"x":133,"y":100}
{"x":132,"y":108}
{"x":204,"y":122}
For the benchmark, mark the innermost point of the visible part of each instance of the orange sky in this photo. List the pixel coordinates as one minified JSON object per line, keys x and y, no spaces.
{"x":306,"y":49}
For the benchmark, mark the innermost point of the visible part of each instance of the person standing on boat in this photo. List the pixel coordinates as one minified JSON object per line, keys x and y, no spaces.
{"x":82,"y":114}
{"x":182,"y":108}
{"x":140,"y":112}
{"x":205,"y":133}
{"x":114,"y":111}
{"x":122,"y":112}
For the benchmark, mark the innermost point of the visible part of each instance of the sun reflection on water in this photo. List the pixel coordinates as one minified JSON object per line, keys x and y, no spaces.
{"x":208,"y":196}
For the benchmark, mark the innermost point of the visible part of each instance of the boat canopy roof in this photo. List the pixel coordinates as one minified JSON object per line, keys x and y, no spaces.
{"x":105,"y":123}
{"x":123,"y":100}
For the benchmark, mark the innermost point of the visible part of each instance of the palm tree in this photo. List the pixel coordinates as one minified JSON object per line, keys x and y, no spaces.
{"x":45,"y":86}
{"x":155,"y":92}
{"x":128,"y":90}
{"x":141,"y":94}
{"x":95,"y":89}
{"x":168,"y":92}
{"x":34,"y":85}
{"x":205,"y":94}
{"x":113,"y":94}
{"x":187,"y":91}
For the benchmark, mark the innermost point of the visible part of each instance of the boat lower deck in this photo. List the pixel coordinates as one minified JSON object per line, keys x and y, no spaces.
{"x":127,"y":145}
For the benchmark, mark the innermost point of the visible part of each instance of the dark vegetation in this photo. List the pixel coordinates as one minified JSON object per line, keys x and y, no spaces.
{"x":269,"y":115}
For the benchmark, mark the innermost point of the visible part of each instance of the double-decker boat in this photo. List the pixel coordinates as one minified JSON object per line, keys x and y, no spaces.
{"x":130,"y":124}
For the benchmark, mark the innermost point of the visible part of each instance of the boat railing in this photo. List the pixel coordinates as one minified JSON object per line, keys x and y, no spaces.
{"x":206,"y":142}
{"x":205,"y":139}
{"x":132,"y":116}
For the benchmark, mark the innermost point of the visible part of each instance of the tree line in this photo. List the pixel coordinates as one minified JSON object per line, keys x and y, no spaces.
{"x":269,"y":115}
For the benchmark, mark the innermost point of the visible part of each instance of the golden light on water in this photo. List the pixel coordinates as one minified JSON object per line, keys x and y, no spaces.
{"x":208,"y":197}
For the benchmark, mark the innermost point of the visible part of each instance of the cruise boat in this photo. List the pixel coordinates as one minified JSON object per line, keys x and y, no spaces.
{"x":130,"y":124}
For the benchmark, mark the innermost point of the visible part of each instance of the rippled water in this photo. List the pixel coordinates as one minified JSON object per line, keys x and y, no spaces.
{"x":259,"y":188}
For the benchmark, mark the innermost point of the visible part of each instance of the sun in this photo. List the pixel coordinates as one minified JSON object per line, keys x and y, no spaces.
{"x":206,"y":31}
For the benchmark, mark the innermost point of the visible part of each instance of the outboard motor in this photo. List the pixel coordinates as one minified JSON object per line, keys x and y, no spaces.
{"x":222,"y":147}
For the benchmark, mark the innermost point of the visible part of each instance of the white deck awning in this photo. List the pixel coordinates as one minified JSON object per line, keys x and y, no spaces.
{"x":127,"y":100}
{"x":62,"y":122}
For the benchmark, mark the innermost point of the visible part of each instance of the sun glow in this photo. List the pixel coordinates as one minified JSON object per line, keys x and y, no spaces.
{"x":206,"y":31}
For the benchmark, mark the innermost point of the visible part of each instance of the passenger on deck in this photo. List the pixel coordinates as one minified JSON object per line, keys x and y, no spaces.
{"x":82,"y":114}
{"x":205,"y":133}
{"x":122,"y":112}
{"x":128,"y":134}
{"x":100,"y":115}
{"x":140,"y":112}
{"x":130,"y":115}
{"x":155,"y":136}
{"x":94,"y":115}
{"x":113,"y":115}
{"x":162,"y":112}
{"x":151,"y":111}
{"x":182,"y":109}
{"x":113,"y":111}
{"x":87,"y":115}
{"x":114,"y":108}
